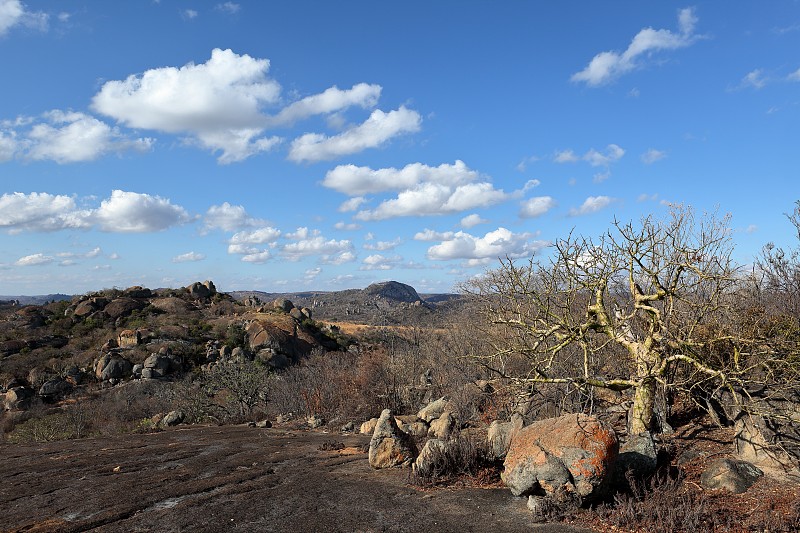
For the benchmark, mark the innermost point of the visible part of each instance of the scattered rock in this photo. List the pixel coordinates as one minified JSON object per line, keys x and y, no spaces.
{"x":18,"y":398}
{"x":348,"y":428}
{"x":429,"y":459}
{"x":638,"y":455}
{"x":54,"y":388}
{"x":368,"y":427}
{"x":315,"y":421}
{"x":731,"y":475}
{"x":121,"y":307}
{"x":283,"y":304}
{"x":264,"y":424}
{"x":442,"y":427}
{"x":128,"y":338}
{"x":389,"y":446}
{"x":569,"y":456}
{"x":173,"y":418}
{"x":500,"y":434}
{"x":433,"y":410}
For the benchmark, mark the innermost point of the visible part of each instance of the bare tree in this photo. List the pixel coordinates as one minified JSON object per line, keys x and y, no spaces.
{"x":622,"y":312}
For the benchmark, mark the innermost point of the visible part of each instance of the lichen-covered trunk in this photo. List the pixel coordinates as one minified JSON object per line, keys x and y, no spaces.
{"x":641,"y":419}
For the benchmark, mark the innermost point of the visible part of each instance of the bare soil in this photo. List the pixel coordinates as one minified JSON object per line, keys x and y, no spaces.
{"x":235,"y":478}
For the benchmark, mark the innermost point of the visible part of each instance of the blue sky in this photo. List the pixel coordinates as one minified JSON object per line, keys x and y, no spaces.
{"x":286,"y":146}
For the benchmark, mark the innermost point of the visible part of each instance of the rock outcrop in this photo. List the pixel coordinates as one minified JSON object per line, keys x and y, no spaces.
{"x":569,"y":457}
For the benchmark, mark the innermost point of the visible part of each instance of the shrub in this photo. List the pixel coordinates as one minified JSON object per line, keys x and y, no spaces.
{"x":465,"y":456}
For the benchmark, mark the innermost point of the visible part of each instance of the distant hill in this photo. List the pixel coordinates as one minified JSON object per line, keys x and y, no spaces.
{"x":388,"y":302}
{"x":35,"y":300}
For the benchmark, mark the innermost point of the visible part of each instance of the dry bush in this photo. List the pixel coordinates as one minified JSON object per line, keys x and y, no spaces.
{"x":465,"y":458}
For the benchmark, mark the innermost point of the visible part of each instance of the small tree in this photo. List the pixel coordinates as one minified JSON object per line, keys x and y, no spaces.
{"x":620,"y":312}
{"x":245,"y":384}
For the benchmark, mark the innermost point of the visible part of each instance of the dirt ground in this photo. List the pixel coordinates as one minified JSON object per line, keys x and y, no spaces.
{"x":234,"y":478}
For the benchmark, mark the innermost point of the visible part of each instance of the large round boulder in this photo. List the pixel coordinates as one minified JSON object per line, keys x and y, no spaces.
{"x":121,"y":307}
{"x":566,"y":457}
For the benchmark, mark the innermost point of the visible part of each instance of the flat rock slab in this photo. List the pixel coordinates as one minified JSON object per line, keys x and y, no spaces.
{"x":233,"y":478}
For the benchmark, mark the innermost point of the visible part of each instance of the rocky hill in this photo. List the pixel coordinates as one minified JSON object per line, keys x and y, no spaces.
{"x":384,"y":303}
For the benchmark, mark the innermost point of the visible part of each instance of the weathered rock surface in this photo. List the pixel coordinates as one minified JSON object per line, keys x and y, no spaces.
{"x":731,"y":475}
{"x":389,"y":445}
{"x":173,"y":418}
{"x":53,"y":388}
{"x":429,"y":459}
{"x":499,"y":435}
{"x":368,"y":427}
{"x":569,"y":456}
{"x":121,"y":307}
{"x":639,"y":455}
{"x":434,"y":410}
{"x":442,"y":427}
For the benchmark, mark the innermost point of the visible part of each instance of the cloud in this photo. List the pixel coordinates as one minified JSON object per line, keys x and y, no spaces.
{"x":435,"y":199}
{"x":40,"y":212}
{"x":130,"y":212}
{"x":481,"y":250}
{"x":188,"y":257}
{"x":189,"y":14}
{"x":644,"y":197}
{"x":228,"y":7}
{"x":652,"y":155}
{"x":358,"y":181}
{"x":34,"y":260}
{"x":596,"y":159}
{"x":794,"y":76}
{"x":339,"y":259}
{"x":755,"y":79}
{"x":430,"y":235}
{"x":380,"y":262}
{"x":331,"y":100}
{"x":218,"y":103}
{"x":382,"y":246}
{"x":375,"y":131}
{"x":352,"y":204}
{"x":608,"y":66}
{"x":537,"y":206}
{"x":344,"y":226}
{"x":565,"y":156}
{"x":472,"y":220}
{"x":69,"y":137}
{"x":592,"y":204}
{"x":311,"y":242}
{"x":229,"y":217}
{"x":257,"y":257}
{"x":13,"y":13}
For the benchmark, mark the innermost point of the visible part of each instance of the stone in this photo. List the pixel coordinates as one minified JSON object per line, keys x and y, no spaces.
{"x":200,"y":291}
{"x":368,"y":427}
{"x":429,"y":459}
{"x":116,"y":368}
{"x":128,"y":338}
{"x":638,"y":455}
{"x":390,"y":447}
{"x":500,"y":434}
{"x":264,"y":424}
{"x":348,"y":427}
{"x":728,"y":474}
{"x":53,"y":388}
{"x":137,"y":370}
{"x":137,"y":292}
{"x":272,"y":358}
{"x":433,"y":410}
{"x":121,"y":307}
{"x":566,"y":457}
{"x":442,"y":427}
{"x":296,"y":314}
{"x":157,"y":362}
{"x":173,"y":418}
{"x":306,"y":312}
{"x":283,"y":304}
{"x":315,"y":421}
{"x":18,"y":398}
{"x":417,"y":429}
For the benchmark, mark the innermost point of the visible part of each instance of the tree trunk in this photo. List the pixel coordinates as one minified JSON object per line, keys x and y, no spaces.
{"x":641,"y":418}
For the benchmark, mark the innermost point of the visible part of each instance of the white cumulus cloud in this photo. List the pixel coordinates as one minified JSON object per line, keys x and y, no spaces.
{"x":537,"y":206}
{"x":481,"y":250}
{"x":14,"y":13}
{"x":358,"y":181}
{"x":218,"y":102}
{"x":592,"y":204}
{"x":229,"y":217}
{"x":472,"y":220}
{"x":331,"y":100}
{"x":34,"y":260}
{"x":40,"y":212}
{"x":69,"y":137}
{"x":607,"y":66}
{"x":188,"y":257}
{"x":380,"y":262}
{"x":375,"y":131}
{"x":130,"y":212}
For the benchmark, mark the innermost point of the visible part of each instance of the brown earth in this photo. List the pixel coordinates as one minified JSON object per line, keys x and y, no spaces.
{"x":234,"y":478}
